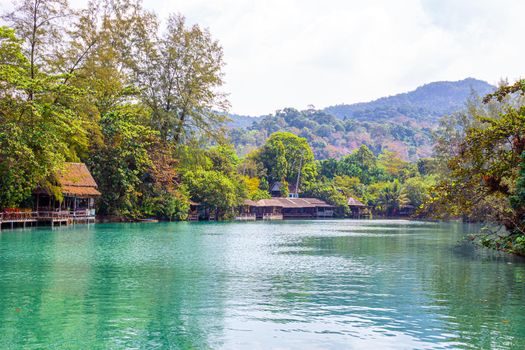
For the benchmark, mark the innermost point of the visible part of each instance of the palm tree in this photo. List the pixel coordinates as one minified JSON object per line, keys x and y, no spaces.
{"x":392,"y":198}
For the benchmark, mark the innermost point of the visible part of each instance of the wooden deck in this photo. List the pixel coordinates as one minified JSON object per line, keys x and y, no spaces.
{"x":37,"y":218}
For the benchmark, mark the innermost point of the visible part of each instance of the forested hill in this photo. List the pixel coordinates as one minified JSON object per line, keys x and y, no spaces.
{"x":402,"y":123}
{"x":427,"y":103}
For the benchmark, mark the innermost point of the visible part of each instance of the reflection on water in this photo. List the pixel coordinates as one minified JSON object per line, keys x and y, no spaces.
{"x":299,"y":284}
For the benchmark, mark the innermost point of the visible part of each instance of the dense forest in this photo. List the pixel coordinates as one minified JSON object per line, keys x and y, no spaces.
{"x":403,"y":123}
{"x":142,"y":104}
{"x":330,"y":136}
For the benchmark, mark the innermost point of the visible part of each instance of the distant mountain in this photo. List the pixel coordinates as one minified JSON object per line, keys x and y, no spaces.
{"x":402,"y":123}
{"x":427,"y":103}
{"x":240,"y":121}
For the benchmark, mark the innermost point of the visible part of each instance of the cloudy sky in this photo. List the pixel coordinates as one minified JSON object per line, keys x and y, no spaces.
{"x":294,"y":53}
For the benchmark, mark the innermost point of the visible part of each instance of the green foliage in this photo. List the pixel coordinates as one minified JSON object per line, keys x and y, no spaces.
{"x":350,"y":187}
{"x":121,"y":163}
{"x":179,"y":75}
{"x":418,"y":189}
{"x":480,"y":153}
{"x":361,"y":163}
{"x":219,"y":192}
{"x":327,"y":192}
{"x":253,"y":188}
{"x":517,"y":200}
{"x":284,"y":188}
{"x":284,"y":155}
{"x":335,"y":137}
{"x":212,"y":179}
{"x":38,"y":131}
{"x":223,"y":159}
{"x":171,"y":206}
{"x":100,"y":85}
{"x":388,"y":197}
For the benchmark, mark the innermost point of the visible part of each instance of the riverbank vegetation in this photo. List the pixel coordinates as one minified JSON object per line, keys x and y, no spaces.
{"x":142,"y":104}
{"x":481,"y":169}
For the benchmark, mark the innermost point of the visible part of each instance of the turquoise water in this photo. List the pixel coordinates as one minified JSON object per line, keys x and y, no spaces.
{"x":287,"y":285}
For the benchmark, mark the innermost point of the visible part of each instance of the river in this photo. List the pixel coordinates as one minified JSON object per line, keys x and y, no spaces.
{"x":337,"y":284}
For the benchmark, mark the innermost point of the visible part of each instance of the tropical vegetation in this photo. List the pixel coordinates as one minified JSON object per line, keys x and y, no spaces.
{"x":142,"y":104}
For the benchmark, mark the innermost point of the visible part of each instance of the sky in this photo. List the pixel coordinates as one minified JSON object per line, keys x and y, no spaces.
{"x":296,"y":53}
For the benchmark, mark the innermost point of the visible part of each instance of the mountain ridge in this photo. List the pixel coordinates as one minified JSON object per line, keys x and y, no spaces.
{"x":460,"y":89}
{"x":434,"y":100}
{"x":402,"y":123}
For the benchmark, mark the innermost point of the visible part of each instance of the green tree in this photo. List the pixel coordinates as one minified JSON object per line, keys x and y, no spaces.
{"x":350,"y":187}
{"x":214,"y":189}
{"x":481,"y":157}
{"x":179,"y":75}
{"x":388,"y":197}
{"x":224,"y":159}
{"x":38,"y":132}
{"x":418,"y":189}
{"x":327,"y":192}
{"x":121,"y":163}
{"x":362,"y":163}
{"x":284,"y":155}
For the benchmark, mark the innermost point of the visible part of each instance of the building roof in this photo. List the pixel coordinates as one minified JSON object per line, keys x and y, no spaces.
{"x":76,"y":180}
{"x":352,"y":202}
{"x":289,"y":203}
{"x":276,"y":187}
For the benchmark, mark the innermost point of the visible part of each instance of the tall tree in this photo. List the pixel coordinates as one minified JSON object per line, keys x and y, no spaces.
{"x":40,"y":24}
{"x":482,"y":155}
{"x":121,"y":163}
{"x":180,"y":74}
{"x":285,"y":155}
{"x":36,"y":134}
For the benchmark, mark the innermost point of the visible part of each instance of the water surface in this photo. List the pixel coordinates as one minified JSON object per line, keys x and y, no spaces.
{"x":287,"y":285}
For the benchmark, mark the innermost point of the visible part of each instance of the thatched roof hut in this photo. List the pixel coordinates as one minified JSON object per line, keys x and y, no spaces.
{"x":76,"y":181}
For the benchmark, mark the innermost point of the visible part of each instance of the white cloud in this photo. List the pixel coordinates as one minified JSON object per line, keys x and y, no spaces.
{"x":283,"y":53}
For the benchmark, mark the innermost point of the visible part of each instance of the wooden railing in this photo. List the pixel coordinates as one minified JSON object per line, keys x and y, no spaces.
{"x":272,"y":216}
{"x":18,"y":216}
{"x":245,"y":217}
{"x":300,"y":215}
{"x":53,"y":214}
{"x":82,"y":213}
{"x":43,"y":215}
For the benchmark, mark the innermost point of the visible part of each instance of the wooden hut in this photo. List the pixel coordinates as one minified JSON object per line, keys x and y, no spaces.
{"x":357,"y":208}
{"x":195,"y":211}
{"x":287,"y":208}
{"x":79,"y":191}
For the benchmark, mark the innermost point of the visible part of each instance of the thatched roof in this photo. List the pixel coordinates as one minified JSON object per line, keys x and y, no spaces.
{"x":76,"y":180}
{"x":250,"y":203}
{"x":352,"y":202}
